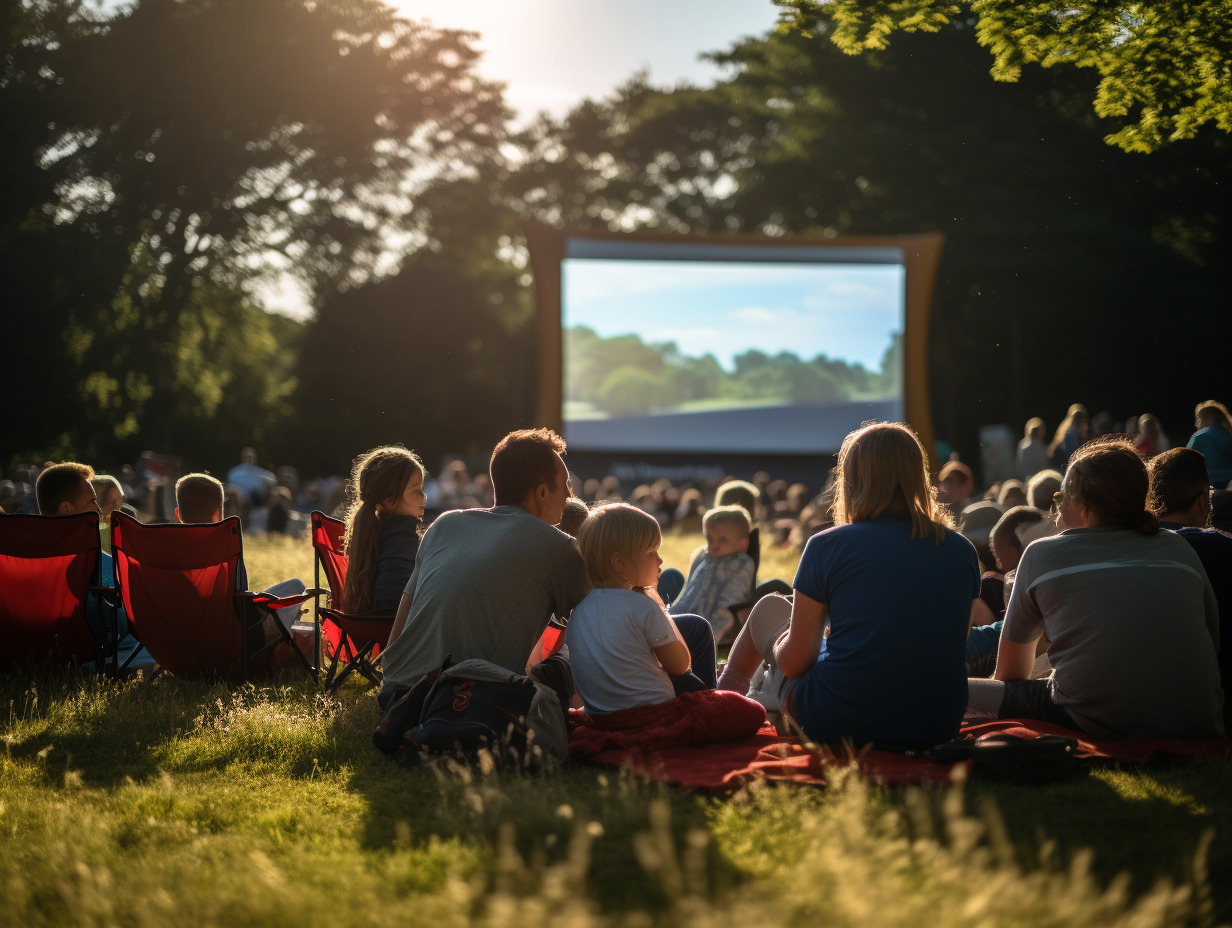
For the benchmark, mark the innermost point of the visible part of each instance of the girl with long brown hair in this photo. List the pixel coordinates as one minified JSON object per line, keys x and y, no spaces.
{"x":894,"y":584}
{"x":383,"y":527}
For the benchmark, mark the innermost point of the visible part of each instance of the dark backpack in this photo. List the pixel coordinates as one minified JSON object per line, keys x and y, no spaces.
{"x":476,"y":706}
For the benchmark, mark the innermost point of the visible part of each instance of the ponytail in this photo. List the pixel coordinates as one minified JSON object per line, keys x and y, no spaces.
{"x":1146,"y":523}
{"x":363,"y":552}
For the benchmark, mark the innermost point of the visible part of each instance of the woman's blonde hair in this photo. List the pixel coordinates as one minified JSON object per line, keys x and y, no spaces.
{"x":616,"y":528}
{"x":1075,"y":417}
{"x":379,"y":476}
{"x":882,"y":467}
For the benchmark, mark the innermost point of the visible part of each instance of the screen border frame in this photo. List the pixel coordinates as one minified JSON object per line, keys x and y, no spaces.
{"x":922,"y":255}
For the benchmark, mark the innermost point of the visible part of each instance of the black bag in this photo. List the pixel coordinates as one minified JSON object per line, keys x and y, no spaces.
{"x":1008,"y":757}
{"x":474,"y":706}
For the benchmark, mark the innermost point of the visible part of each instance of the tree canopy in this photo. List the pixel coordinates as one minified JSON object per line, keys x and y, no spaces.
{"x":1066,"y":263}
{"x":623,"y":376}
{"x":1165,"y":69}
{"x":168,"y":155}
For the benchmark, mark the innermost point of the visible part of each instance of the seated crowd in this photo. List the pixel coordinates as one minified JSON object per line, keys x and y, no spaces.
{"x":1089,"y":592}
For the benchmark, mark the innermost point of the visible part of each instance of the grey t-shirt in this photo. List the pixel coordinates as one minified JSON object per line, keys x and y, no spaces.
{"x":1134,"y":631}
{"x":485,"y":583}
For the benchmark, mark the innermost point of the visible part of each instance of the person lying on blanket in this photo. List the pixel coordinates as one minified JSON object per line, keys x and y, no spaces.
{"x":895,"y":585}
{"x":1131,"y":617}
{"x":626,"y":651}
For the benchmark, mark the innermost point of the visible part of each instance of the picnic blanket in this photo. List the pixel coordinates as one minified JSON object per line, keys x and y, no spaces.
{"x":691,"y":720}
{"x":727,"y":766}
{"x":1105,"y":750}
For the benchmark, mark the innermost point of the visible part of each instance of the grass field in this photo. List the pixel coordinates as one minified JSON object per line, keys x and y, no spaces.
{"x":173,"y":802}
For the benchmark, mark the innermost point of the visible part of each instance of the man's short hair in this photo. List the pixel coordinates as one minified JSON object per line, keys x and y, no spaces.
{"x":103,"y":484}
{"x":1041,"y":487}
{"x":1005,"y":532}
{"x":574,"y":515}
{"x":1178,"y":477}
{"x":523,"y":460}
{"x":728,"y":515}
{"x":199,"y":497}
{"x":950,"y":468}
{"x":737,"y":493}
{"x":60,"y":483}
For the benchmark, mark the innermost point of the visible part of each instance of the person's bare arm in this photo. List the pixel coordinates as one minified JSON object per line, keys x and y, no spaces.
{"x":797,"y":652}
{"x":981,"y":614}
{"x":1014,"y":660}
{"x":404,"y":610}
{"x":674,"y":656}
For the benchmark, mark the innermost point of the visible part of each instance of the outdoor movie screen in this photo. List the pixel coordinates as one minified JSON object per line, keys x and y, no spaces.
{"x":701,"y":347}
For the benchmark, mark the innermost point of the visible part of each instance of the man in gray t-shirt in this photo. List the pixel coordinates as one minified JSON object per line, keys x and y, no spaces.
{"x":486,"y":581}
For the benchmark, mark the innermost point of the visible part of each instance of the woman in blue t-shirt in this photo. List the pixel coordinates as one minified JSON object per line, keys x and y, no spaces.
{"x":894,"y":584}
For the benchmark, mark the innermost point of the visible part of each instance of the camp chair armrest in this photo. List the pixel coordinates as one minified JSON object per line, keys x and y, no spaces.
{"x":374,"y":615}
{"x":266,"y":601}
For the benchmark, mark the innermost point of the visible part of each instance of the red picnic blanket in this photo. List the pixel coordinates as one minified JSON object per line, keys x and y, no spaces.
{"x":660,"y":753}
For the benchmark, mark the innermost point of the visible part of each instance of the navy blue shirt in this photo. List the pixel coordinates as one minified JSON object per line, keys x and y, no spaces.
{"x":1214,"y":550}
{"x":894,"y":668}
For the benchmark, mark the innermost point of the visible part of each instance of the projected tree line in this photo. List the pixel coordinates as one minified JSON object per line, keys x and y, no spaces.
{"x":625,"y":376}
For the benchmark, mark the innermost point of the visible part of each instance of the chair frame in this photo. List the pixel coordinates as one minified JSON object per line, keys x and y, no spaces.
{"x":240,"y":599}
{"x":356,"y":657}
{"x":86,"y":524}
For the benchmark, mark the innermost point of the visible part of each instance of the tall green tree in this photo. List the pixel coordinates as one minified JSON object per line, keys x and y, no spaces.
{"x":183,"y":148}
{"x":1165,"y":69}
{"x":1069,"y":266}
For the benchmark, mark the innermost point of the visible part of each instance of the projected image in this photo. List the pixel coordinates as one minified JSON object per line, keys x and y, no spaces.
{"x":716,"y":355}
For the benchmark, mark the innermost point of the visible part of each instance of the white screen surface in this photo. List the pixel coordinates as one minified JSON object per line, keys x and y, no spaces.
{"x":704,"y":347}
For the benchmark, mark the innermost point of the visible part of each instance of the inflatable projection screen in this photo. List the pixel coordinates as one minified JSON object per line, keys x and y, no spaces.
{"x":661,"y":344}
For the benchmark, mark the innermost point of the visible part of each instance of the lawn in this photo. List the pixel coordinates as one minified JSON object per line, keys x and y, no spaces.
{"x":174,"y":802}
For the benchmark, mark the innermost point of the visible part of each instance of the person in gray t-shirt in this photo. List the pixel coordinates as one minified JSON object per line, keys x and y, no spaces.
{"x":1130,"y":616}
{"x":486,"y":581}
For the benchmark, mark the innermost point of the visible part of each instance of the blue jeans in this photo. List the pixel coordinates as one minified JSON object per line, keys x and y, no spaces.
{"x":699,"y":639}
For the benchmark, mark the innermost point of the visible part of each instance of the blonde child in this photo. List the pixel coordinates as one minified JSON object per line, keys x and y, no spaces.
{"x":722,"y":572}
{"x":625,"y":650}
{"x":383,"y":527}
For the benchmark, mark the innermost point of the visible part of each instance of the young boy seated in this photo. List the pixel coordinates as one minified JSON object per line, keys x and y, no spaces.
{"x":199,"y":499}
{"x":722,"y":572}
{"x":65,"y":490}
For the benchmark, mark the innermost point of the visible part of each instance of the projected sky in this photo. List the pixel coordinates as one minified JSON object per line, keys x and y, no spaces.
{"x":844,"y":311}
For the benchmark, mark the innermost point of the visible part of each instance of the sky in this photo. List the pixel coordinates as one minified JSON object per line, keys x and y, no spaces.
{"x":550,"y":54}
{"x":839,"y":310}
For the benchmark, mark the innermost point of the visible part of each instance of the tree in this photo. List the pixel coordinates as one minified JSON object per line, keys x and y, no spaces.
{"x":437,"y":358}
{"x":1067,"y":265}
{"x":1165,"y":69}
{"x":630,"y":391}
{"x":190,"y":146}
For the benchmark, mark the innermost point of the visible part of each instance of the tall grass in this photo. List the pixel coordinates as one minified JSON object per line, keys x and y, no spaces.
{"x":178,"y":802}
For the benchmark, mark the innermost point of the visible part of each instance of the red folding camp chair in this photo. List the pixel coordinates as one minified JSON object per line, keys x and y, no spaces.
{"x":48,"y":566}
{"x":178,"y":584}
{"x":354,"y":640}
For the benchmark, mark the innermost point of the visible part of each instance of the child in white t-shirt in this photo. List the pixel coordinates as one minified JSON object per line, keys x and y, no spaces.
{"x":625,"y":650}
